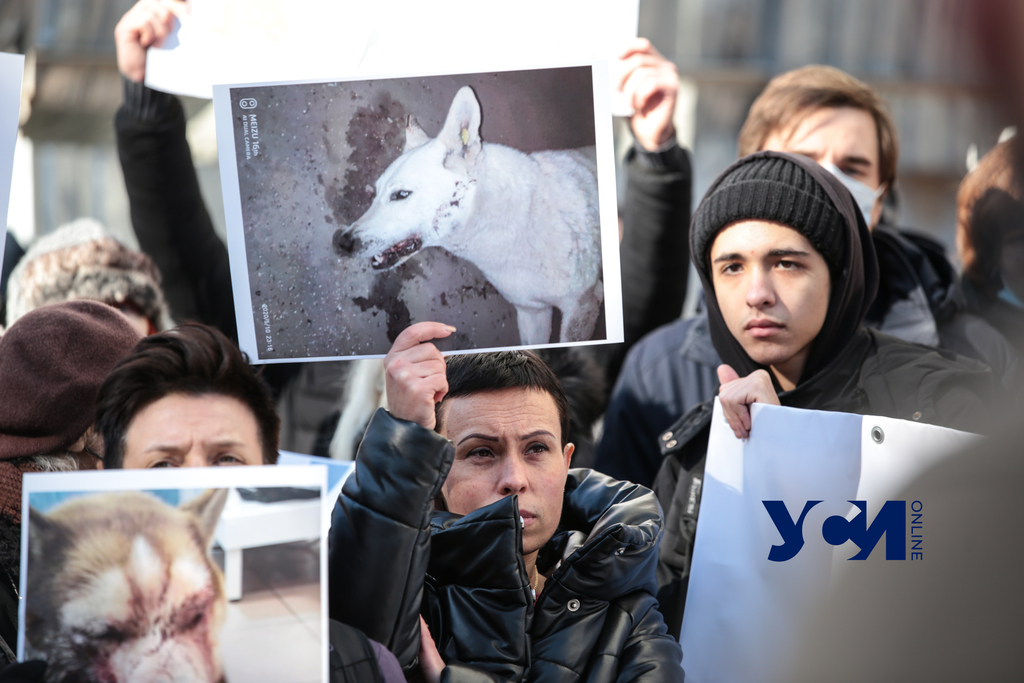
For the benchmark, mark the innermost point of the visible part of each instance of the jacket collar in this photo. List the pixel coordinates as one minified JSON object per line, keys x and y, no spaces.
{"x":606,"y":544}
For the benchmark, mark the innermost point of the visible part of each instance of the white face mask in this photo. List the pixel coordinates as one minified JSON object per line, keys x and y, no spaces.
{"x":862,"y":194}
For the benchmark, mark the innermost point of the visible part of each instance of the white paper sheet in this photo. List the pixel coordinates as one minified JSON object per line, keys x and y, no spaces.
{"x":299,"y":162}
{"x":338,"y":472}
{"x":12,"y":69}
{"x":307,"y":655}
{"x":247,"y":41}
{"x":745,"y":612}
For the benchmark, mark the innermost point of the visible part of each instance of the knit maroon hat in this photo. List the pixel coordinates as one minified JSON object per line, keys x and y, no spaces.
{"x":52,"y":362}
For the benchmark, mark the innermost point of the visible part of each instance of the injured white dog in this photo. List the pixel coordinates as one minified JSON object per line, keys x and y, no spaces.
{"x":529,"y":222}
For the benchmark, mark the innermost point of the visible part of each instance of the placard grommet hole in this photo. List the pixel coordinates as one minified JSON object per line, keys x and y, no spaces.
{"x":877,"y":435}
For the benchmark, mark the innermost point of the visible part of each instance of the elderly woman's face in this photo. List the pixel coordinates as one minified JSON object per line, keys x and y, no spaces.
{"x":508,"y":441}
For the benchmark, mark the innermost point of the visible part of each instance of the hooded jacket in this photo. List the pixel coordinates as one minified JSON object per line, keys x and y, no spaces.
{"x":849,"y":369}
{"x":393,"y":557}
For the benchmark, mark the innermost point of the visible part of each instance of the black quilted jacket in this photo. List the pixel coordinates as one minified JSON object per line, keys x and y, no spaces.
{"x":393,"y":557}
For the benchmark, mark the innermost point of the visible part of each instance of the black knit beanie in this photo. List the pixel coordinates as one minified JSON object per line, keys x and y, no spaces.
{"x":771,"y":188}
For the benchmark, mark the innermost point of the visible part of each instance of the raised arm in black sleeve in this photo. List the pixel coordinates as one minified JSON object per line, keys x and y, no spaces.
{"x":167,"y":209}
{"x":654,"y":251}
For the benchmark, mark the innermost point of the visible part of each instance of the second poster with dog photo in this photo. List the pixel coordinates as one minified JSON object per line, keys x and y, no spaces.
{"x":193,"y":574}
{"x":482,"y":200}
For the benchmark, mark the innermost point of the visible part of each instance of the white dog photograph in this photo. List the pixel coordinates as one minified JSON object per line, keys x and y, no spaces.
{"x":125,"y":579}
{"x":481,"y":200}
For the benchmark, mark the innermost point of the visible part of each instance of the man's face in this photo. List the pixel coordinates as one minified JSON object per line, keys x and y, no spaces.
{"x":508,"y":442}
{"x":192,"y":431}
{"x":843,"y":136}
{"x":772,"y":287}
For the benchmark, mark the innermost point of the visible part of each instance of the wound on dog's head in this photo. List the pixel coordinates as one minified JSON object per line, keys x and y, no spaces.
{"x":121,"y":587}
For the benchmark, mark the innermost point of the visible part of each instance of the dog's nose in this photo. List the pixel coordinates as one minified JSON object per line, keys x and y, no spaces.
{"x":344,"y":242}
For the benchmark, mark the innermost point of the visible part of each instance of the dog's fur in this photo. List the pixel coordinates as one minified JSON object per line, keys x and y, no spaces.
{"x":528,"y":221}
{"x":121,"y":588}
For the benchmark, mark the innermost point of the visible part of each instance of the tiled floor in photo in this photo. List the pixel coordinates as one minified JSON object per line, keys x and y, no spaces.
{"x":273,"y":632}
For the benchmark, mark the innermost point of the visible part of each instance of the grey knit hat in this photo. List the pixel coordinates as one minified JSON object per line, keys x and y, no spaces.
{"x":82,"y":261}
{"x":770,"y":188}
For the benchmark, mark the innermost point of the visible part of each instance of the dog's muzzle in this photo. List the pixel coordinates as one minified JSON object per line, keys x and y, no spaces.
{"x":345,"y":244}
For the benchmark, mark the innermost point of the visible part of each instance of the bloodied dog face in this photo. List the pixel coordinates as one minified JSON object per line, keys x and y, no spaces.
{"x":121,"y":588}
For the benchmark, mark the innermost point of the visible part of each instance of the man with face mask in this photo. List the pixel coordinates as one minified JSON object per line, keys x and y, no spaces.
{"x":826,"y":115}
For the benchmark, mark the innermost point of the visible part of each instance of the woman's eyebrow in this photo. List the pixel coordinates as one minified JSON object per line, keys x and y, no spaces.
{"x":483,"y":437}
{"x":539,"y":432}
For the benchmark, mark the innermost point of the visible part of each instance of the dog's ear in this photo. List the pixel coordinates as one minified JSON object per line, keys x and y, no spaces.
{"x":461,"y":132}
{"x":207,"y":508}
{"x":414,"y":136}
{"x":43,"y":534}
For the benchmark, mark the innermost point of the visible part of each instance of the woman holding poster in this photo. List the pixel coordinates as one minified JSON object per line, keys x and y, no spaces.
{"x":464,"y":541}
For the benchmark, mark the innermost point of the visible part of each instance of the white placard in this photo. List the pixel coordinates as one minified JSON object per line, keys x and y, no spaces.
{"x":331,"y":211}
{"x":745,"y":612}
{"x":338,"y":471}
{"x":12,"y":70}
{"x":242,"y":41}
{"x":86,"y":571}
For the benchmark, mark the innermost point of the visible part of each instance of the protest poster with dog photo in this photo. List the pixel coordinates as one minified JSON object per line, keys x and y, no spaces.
{"x":482,"y":200}
{"x":194,"y":574}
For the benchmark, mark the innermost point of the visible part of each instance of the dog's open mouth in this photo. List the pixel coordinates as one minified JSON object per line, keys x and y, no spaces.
{"x":393,"y":255}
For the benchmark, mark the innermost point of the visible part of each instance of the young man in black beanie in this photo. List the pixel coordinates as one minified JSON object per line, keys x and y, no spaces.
{"x":824,"y":114}
{"x":789,"y":269}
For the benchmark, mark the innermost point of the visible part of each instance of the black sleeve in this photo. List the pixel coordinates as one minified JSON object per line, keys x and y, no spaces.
{"x":655,"y":251}
{"x":167,"y":209}
{"x":379,"y":542}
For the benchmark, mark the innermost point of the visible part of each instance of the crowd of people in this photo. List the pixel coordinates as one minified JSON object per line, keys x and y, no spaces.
{"x":521,"y":515}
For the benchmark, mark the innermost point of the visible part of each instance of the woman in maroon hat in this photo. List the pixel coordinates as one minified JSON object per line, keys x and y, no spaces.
{"x":52,"y":362}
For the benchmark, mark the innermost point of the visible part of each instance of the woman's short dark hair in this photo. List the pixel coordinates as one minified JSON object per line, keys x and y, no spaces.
{"x":474,"y":373}
{"x":191,"y":359}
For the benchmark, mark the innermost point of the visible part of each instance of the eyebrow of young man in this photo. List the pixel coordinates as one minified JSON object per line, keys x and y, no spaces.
{"x":774,"y":253}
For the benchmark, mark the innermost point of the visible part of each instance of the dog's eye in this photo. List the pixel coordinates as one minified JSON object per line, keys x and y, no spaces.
{"x":194,"y":621}
{"x":400,"y":194}
{"x":113,"y":634}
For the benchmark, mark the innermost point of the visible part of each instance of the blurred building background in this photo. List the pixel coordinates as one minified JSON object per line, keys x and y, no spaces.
{"x":913,"y":51}
{"x":66,"y":164}
{"x":726,"y":51}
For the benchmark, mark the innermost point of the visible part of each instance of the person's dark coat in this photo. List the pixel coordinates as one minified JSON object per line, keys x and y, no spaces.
{"x":920,"y":300}
{"x":849,"y":369}
{"x":393,"y":557}
{"x":1002,"y":315}
{"x":669,"y":372}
